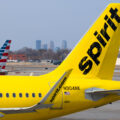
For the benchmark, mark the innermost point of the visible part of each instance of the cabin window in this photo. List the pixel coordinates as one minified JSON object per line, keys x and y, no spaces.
{"x":27,"y":95}
{"x":0,"y":94}
{"x":33,"y":94}
{"x":20,"y":94}
{"x":7,"y":94}
{"x":39,"y":95}
{"x":14,"y":95}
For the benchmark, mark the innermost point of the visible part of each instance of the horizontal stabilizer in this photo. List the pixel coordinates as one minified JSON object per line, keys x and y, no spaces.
{"x":96,"y":94}
{"x":105,"y":92}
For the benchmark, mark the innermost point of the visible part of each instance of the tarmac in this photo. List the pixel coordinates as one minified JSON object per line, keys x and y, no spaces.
{"x":107,"y":112}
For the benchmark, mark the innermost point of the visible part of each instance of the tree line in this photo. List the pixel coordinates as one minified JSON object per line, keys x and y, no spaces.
{"x":42,"y":54}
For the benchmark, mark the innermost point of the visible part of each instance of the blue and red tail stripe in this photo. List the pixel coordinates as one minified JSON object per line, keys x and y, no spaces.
{"x":3,"y":67}
{"x":4,"y":54}
{"x":3,"y":60}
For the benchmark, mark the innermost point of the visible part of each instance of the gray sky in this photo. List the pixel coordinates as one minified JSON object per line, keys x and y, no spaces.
{"x":25,"y":21}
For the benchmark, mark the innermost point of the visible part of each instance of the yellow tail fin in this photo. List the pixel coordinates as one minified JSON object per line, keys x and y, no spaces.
{"x":95,"y":55}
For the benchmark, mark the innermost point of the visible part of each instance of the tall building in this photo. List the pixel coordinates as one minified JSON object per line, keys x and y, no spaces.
{"x":38,"y":44}
{"x":51,"y":45}
{"x":64,"y":44}
{"x":57,"y":49}
{"x":45,"y":46}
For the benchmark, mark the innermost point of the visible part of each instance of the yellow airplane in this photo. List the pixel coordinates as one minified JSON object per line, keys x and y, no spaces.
{"x":82,"y":81}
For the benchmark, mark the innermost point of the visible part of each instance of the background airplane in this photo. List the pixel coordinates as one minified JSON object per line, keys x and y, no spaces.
{"x":4,"y":50}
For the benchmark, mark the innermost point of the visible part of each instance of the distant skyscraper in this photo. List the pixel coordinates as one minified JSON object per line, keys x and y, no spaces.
{"x":45,"y":47}
{"x":64,"y":44}
{"x":57,"y":49}
{"x":52,"y":45}
{"x":38,"y":44}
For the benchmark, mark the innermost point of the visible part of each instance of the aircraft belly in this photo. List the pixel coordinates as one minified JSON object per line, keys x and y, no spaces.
{"x":45,"y":114}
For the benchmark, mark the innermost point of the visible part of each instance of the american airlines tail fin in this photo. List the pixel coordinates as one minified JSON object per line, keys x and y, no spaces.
{"x":4,"y":55}
{"x":96,"y":53}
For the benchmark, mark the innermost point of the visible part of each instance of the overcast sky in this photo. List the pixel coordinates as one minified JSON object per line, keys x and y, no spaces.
{"x":25,"y":21}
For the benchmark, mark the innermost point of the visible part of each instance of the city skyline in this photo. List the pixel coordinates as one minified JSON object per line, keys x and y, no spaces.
{"x":38,"y":44}
{"x":51,"y":45}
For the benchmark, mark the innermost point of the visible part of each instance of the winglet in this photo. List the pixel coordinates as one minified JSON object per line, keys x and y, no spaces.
{"x":49,"y":98}
{"x":51,"y":95}
{"x":46,"y":102}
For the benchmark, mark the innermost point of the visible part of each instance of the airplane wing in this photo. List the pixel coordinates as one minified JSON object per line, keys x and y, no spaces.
{"x":96,"y":94}
{"x":46,"y":102}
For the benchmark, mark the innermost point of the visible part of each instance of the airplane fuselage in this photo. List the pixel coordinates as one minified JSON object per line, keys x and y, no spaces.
{"x":18,"y":92}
